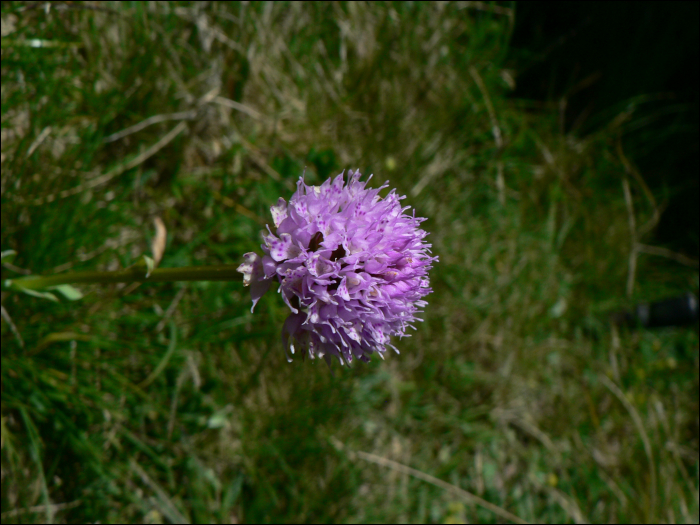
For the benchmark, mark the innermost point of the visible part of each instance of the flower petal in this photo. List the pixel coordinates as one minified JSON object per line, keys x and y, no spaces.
{"x":282,"y":249}
{"x":279,"y":212}
{"x":251,"y":268}
{"x":258,"y":289}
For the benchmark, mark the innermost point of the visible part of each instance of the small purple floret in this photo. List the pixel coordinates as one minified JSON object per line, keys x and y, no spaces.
{"x":352,"y":267}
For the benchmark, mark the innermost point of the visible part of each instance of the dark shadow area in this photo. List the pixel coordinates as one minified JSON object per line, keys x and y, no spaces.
{"x":605,"y":58}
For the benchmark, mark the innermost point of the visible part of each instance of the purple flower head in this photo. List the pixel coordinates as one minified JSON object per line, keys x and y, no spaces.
{"x":351,"y":266}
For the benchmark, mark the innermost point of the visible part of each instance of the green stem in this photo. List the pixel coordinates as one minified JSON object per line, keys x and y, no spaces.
{"x":224,"y":272}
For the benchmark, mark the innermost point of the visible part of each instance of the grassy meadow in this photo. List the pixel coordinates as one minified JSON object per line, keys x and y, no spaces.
{"x":514,"y":401}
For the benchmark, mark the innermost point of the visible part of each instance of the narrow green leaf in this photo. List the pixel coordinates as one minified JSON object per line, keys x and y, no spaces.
{"x":7,"y":254}
{"x":164,"y":361}
{"x":150,"y":265}
{"x":230,"y":497}
{"x":41,"y":295}
{"x":69,"y":292}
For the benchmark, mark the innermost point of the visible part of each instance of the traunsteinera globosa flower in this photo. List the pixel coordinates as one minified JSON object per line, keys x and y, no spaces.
{"x":351,"y":266}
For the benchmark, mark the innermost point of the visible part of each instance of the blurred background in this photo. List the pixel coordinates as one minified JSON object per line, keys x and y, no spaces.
{"x":553,"y":149}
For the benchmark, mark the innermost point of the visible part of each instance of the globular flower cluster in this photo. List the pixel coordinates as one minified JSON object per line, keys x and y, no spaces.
{"x":351,"y":266}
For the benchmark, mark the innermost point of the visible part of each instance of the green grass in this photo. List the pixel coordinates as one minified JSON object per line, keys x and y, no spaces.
{"x":174,"y":403}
